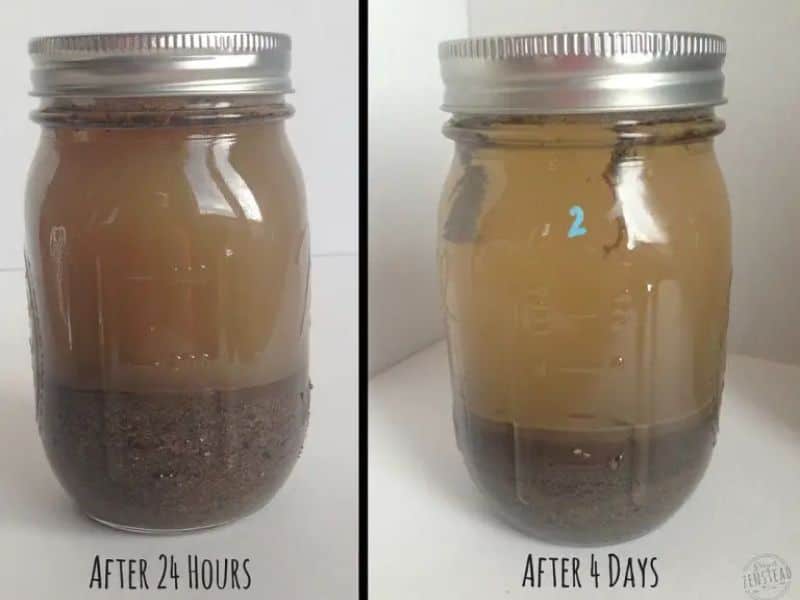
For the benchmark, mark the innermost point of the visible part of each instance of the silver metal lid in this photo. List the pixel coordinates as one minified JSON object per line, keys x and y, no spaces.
{"x":582,"y":72}
{"x":161,"y":64}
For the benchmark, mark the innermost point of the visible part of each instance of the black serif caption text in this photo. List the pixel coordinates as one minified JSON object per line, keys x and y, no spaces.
{"x":610,"y":571}
{"x":190,"y":572}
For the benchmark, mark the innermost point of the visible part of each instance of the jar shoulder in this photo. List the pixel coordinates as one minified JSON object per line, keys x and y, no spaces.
{"x":660,"y":194}
{"x":153,"y":178}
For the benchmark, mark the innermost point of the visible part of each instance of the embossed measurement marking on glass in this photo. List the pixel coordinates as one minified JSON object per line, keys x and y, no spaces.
{"x":577,"y":228}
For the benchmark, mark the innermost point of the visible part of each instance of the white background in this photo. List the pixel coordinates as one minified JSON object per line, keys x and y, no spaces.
{"x":304,"y":543}
{"x":408,"y":158}
{"x":323,"y":130}
{"x":759,"y":153}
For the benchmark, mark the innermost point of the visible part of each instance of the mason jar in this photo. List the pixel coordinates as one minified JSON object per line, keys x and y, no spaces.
{"x":167,"y":261}
{"x":585,"y":261}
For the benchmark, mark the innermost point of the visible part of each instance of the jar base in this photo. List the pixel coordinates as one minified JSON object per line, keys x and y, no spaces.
{"x":572,"y":538}
{"x":587,"y":487}
{"x":174,"y":461}
{"x":152,"y":531}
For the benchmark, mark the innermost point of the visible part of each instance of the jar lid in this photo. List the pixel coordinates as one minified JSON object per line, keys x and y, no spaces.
{"x":582,"y":72}
{"x":161,"y":64}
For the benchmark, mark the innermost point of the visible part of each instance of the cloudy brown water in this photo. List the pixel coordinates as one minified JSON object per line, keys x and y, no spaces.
{"x":586,"y":273}
{"x":167,"y":259}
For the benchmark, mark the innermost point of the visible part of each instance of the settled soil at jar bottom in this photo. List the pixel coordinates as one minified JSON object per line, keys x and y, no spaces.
{"x":588,"y":487}
{"x":174,"y":460}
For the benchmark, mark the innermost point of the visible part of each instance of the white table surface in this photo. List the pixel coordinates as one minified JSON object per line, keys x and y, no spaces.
{"x":432,"y":536}
{"x":302,"y":545}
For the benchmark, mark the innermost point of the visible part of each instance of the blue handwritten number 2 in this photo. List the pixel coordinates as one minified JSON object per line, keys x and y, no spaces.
{"x":577,"y":228}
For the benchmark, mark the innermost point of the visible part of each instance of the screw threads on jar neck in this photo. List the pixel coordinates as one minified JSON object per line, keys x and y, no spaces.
{"x":663,"y":127}
{"x":159,"y":111}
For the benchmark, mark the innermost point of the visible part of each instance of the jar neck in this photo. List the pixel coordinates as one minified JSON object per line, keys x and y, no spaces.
{"x":607,"y":129}
{"x":173,"y":111}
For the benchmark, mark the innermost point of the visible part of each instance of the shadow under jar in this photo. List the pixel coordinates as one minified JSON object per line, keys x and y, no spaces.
{"x":585,"y":262}
{"x":167,"y":259}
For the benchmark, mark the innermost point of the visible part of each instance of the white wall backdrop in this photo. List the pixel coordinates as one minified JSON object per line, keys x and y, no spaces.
{"x":759,"y":152}
{"x":408,"y":159}
{"x":324,"y":72}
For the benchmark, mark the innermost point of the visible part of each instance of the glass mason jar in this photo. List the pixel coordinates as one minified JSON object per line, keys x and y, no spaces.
{"x":585,"y":261}
{"x":167,"y":259}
